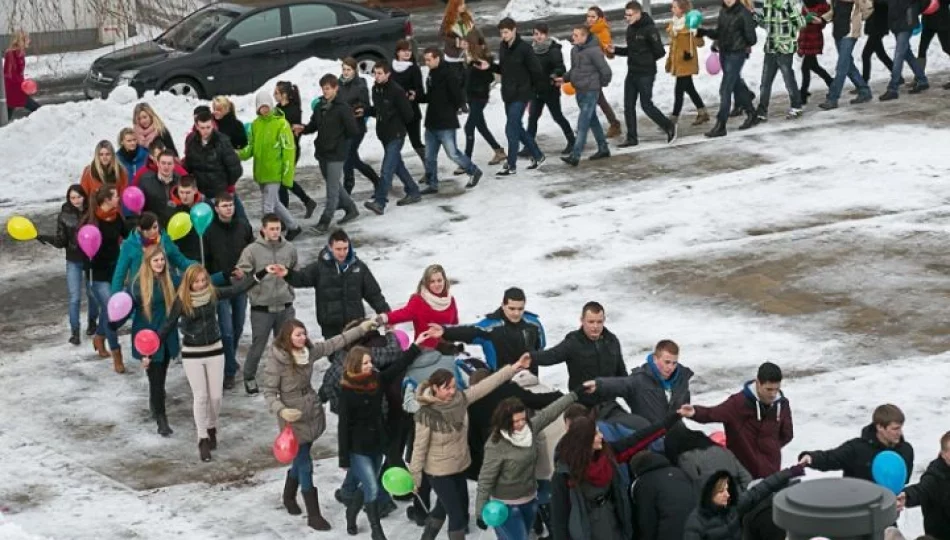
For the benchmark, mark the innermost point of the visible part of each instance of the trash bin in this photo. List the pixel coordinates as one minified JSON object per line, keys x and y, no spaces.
{"x":835,"y":508}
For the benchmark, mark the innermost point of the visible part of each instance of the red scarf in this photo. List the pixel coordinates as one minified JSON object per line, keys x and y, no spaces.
{"x":361,"y":382}
{"x":146,"y":242}
{"x":600,"y":471}
{"x":107,"y":215}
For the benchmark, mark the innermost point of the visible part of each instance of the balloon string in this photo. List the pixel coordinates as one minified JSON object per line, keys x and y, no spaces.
{"x":418,"y":498}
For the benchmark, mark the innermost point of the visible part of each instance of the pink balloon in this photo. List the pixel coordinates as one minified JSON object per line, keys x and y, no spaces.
{"x":133,"y":199}
{"x":932,"y":7}
{"x":402,"y":338}
{"x":719,"y":438}
{"x":28,"y":86}
{"x":712,"y":64}
{"x":89,"y":239}
{"x":146,"y":342}
{"x":119,"y":306}
{"x":286,"y":445}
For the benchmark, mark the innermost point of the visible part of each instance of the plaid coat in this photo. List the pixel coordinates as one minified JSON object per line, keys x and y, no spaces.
{"x":811,"y":38}
{"x":782,"y":21}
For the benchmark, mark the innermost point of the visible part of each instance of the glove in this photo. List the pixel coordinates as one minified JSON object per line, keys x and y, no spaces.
{"x":809,"y":17}
{"x":481,"y":524}
{"x":290,"y":415}
{"x":701,"y":32}
{"x":797,"y":470}
{"x":44,"y":239}
{"x":381,"y":319}
{"x":369,"y":325}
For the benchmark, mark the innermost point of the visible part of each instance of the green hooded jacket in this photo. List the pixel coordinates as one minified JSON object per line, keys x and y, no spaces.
{"x":271,"y":144}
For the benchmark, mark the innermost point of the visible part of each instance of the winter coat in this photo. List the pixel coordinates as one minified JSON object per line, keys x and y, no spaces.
{"x":91,"y":183}
{"x":132,"y":162}
{"x":551,"y":57}
{"x":201,"y":329}
{"x":478,"y":81}
{"x":410,"y":80}
{"x":421,"y":314}
{"x":854,"y":457}
{"x":224,"y":243}
{"x":932,"y":494}
{"x":643,"y":48}
{"x":151,"y":166}
{"x":104,"y":264}
{"x":271,"y":144}
{"x":508,"y":471}
{"x":811,"y":38}
{"x":502,"y":341}
{"x":683,"y":59}
{"x":190,"y":245}
{"x":355,"y":93}
{"x":711,"y":522}
{"x":171,"y":345}
{"x":521,"y":75}
{"x":383,"y":357}
{"x":645,"y":393}
{"x":392,"y":109}
{"x":735,"y":29}
{"x":339,"y":288}
{"x":158,"y":196}
{"x":663,"y":497}
{"x":902,"y":15}
{"x":230,"y":126}
{"x":586,"y":360}
{"x":215,"y":164}
{"x":444,"y":453}
{"x":782,"y":20}
{"x":423,"y":368}
{"x":286,"y":385}
{"x":293,"y":113}
{"x":700,"y":464}
{"x":14,"y":63}
{"x":847,"y":17}
{"x":130,"y":259}
{"x":549,"y":436}
{"x":940,"y":20}
{"x":755,"y":432}
{"x":601,"y":32}
{"x":273,"y":294}
{"x":589,"y":70}
{"x":67,"y":225}
{"x":876,"y":24}
{"x":444,"y":96}
{"x":360,"y":426}
{"x":334,"y":124}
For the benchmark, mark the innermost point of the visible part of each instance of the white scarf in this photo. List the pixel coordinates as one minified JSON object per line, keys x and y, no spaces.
{"x":201,"y":298}
{"x":521,"y":439}
{"x":401,"y":65}
{"x":301,"y":357}
{"x":438,"y":303}
{"x":679,"y":24}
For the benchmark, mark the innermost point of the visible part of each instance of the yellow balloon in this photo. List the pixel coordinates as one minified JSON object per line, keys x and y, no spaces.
{"x":179,"y":226}
{"x":21,"y":228}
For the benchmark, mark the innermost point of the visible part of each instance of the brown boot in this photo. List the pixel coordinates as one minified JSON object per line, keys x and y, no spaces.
{"x":99,"y":343}
{"x":614,"y":130}
{"x":701,"y":117}
{"x":117,"y":361}
{"x":498,"y":157}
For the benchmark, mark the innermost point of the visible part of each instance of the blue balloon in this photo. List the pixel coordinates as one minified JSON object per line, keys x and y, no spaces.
{"x":889,"y":471}
{"x":247,"y":128}
{"x":495,"y":513}
{"x":918,"y":29}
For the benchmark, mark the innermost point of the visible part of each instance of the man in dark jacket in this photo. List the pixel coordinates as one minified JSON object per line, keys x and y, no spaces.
{"x":393,"y":113}
{"x":210,"y":158}
{"x":844,"y":16}
{"x":654,"y":390}
{"x":521,"y":78}
{"x":589,"y":73}
{"x":157,"y":187}
{"x":757,"y":421}
{"x":662,"y":496}
{"x":445,"y":97}
{"x":903,"y":16}
{"x":643,"y":49}
{"x":341,"y":282}
{"x":854,"y":457}
{"x":184,"y":197}
{"x":334,"y":124}
{"x":551,"y":60}
{"x":932,"y":493}
{"x":225,"y":239}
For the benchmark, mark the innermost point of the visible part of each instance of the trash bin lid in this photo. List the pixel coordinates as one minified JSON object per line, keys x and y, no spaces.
{"x":834,"y":507}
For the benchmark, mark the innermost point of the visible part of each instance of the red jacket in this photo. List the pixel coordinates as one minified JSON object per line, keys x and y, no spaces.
{"x":755,"y":433}
{"x":14,"y":62}
{"x":150,"y":165}
{"x":811,"y":40}
{"x":422,"y":314}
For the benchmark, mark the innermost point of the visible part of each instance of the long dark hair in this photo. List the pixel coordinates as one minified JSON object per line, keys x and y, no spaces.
{"x":501,"y":419}
{"x":99,"y":196}
{"x":290,"y":90}
{"x":76,"y":188}
{"x":577,"y":448}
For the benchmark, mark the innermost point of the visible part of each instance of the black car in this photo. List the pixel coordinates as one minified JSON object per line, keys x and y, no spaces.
{"x":231,"y":49}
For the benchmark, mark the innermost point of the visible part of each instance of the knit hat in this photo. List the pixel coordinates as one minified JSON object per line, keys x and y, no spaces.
{"x":262,"y":98}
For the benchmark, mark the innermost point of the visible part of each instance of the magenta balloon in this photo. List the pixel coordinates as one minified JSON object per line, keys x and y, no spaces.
{"x":133,"y":199}
{"x":712,"y":64}
{"x":119,"y":306}
{"x":402,"y":338}
{"x":89,"y":239}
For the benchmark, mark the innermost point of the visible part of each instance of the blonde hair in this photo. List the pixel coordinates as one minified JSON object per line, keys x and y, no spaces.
{"x":430,"y":271}
{"x":123,"y":133}
{"x":114,"y":169}
{"x":18,"y":41}
{"x":147,"y":280}
{"x":223,"y":102}
{"x":156,"y":121}
{"x":184,"y":290}
{"x":684,"y":5}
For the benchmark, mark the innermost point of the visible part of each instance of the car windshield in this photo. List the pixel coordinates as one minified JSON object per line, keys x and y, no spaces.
{"x":192,"y":31}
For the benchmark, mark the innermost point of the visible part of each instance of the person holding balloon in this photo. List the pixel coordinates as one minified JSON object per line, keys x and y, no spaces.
{"x":932,"y":493}
{"x":432,"y":303}
{"x":18,"y":89}
{"x":185,"y":197}
{"x":588,"y":75}
{"x":149,"y":233}
{"x":682,"y":61}
{"x":286,"y":384}
{"x":105,"y":169}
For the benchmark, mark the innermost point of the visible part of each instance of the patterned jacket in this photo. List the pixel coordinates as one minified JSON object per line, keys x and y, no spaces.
{"x":783,"y":20}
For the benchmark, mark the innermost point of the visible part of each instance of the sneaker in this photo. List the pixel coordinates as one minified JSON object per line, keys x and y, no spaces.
{"x":350,"y":216}
{"x":250,"y":386}
{"x":888,"y":96}
{"x":429,"y":190}
{"x":628,"y":143}
{"x":672,"y":134}
{"x":793,"y":114}
{"x":310,"y":206}
{"x":374,"y":208}
{"x":762,"y":117}
{"x":458,"y":171}
{"x":535,"y":163}
{"x":919,"y":87}
{"x":293,"y":233}
{"x":829,"y":105}
{"x":473,"y":179}
{"x":409,"y":199}
{"x":505,"y":171}
{"x":570,"y":160}
{"x":600,"y":154}
{"x":862,"y":98}
{"x":228,"y":382}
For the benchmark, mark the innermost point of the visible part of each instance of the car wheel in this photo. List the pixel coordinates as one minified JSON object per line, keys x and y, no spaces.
{"x":183,"y":86}
{"x":366,"y":62}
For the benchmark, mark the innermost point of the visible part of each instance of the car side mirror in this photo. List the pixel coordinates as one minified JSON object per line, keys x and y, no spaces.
{"x":228,"y":45}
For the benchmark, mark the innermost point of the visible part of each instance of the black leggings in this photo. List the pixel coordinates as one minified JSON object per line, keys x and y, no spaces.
{"x":452,"y":492}
{"x":927,"y":35}
{"x":684,"y":85}
{"x":156,"y":372}
{"x":414,"y":128}
{"x":874,"y":45}
{"x":810,"y":65}
{"x":282,"y":194}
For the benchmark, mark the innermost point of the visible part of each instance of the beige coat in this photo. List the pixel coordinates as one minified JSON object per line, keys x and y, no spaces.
{"x":861,"y":11}
{"x":548,"y":437}
{"x":683,"y":42}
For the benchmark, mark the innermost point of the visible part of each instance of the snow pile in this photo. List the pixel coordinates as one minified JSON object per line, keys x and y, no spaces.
{"x":526,"y":10}
{"x":12,"y":531}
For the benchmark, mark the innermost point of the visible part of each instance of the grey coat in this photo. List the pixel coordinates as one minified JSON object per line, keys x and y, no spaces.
{"x":700,"y":464}
{"x":645,"y":395}
{"x":508,"y":471}
{"x":273,"y":292}
{"x":589,"y":70}
{"x":286,"y":384}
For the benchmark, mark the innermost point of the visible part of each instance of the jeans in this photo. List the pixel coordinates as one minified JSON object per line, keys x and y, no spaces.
{"x":443,"y":138}
{"x":270,"y":203}
{"x":684,"y":85}
{"x":262,"y":324}
{"x":515,"y":132}
{"x":519,"y":523}
{"x":337,"y":197}
{"x":74,"y":277}
{"x":452,"y":493}
{"x":902,"y":54}
{"x":156,"y":373}
{"x":641,"y":86}
{"x":302,"y":467}
{"x":101,"y":290}
{"x":553,"y":102}
{"x":366,"y":469}
{"x":846,"y":68}
{"x":354,"y":163}
{"x":587,"y":119}
{"x":393,"y":164}
{"x":732,"y":83}
{"x":476,"y":120}
{"x":775,"y":62}
{"x":231,"y":315}
{"x":544,"y":492}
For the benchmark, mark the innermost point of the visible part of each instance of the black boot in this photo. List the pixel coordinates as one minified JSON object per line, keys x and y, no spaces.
{"x":353,"y":508}
{"x":375,"y":527}
{"x":163,"y":428}
{"x":290,"y":495}
{"x":74,"y":338}
{"x":433,"y":526}
{"x":91,"y":325}
{"x":213,"y":438}
{"x":349,"y":184}
{"x":544,"y":512}
{"x":204,"y":450}
{"x":718,"y":130}
{"x":751,"y":120}
{"x":314,"y":518}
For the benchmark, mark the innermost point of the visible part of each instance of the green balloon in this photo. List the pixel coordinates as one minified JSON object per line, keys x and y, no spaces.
{"x":201,"y":217}
{"x":693,"y":19}
{"x":397,"y":481}
{"x":495,"y":513}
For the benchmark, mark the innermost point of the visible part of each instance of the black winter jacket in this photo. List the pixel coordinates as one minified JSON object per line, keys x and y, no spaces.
{"x":104,"y":262}
{"x":392,"y":109}
{"x":663,"y":498}
{"x":355,"y":93}
{"x":383,"y":355}
{"x":876,"y":24}
{"x":552,"y":65}
{"x":201,"y":328}
{"x":509,"y":340}
{"x":444,"y":96}
{"x":334,"y":124}
{"x":586,"y":360}
{"x":902,"y":15}
{"x":645,"y":394}
{"x":339,"y":289}
{"x":293,"y":113}
{"x":711,"y":522}
{"x":214,"y":165}
{"x":478,"y":81}
{"x":158,"y":196}
{"x":520,"y":70}
{"x":735,"y":29}
{"x":932,"y":494}
{"x":855,"y":456}
{"x":643,"y":48}
{"x":190,"y":244}
{"x":232,"y":127}
{"x":939,"y":21}
{"x":410,"y":80}
{"x":224,"y":243}
{"x":360,"y":427}
{"x":67,"y":224}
